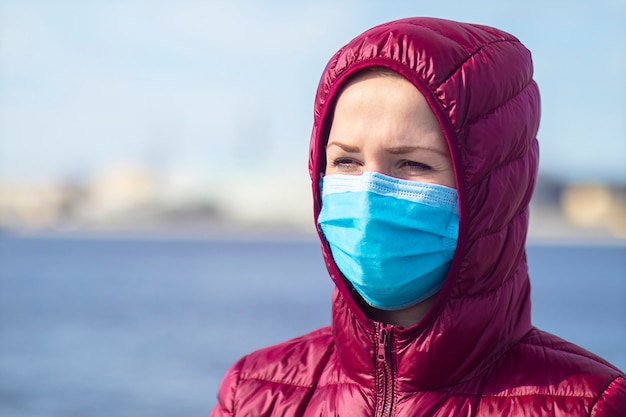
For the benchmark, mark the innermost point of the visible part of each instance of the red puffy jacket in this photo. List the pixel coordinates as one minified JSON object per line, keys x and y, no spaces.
{"x":476,"y":352}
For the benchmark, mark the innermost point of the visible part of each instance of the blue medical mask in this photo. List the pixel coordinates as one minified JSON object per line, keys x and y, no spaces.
{"x":392,"y":239}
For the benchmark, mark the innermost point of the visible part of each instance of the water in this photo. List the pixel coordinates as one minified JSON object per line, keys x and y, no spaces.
{"x":137,"y":327}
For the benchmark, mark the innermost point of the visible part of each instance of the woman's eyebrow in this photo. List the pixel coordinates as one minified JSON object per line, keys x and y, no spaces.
{"x":395,"y":150}
{"x":346,"y":148}
{"x":400,"y":150}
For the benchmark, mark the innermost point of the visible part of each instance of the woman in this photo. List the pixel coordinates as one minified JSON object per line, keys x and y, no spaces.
{"x":423,"y":161}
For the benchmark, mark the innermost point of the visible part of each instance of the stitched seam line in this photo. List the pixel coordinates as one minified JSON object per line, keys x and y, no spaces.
{"x":277,"y":382}
{"x":503,"y":163}
{"x":472,"y":55}
{"x":443,"y":35}
{"x":499,"y":106}
{"x":538,"y":394}
{"x":527,"y":343}
{"x":593,"y":405}
{"x":493,"y":232}
{"x":470,"y":52}
{"x":328,"y":384}
{"x":489,"y":293}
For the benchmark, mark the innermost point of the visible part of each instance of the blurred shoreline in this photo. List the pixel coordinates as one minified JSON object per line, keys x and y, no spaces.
{"x":135,"y":202}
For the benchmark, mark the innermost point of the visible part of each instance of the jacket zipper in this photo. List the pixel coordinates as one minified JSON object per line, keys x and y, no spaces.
{"x":384,"y":372}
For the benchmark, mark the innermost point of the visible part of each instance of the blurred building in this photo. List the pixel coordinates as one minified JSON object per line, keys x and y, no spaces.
{"x":134,"y":197}
{"x":31,"y":205}
{"x":585,"y":210}
{"x":595,"y":206}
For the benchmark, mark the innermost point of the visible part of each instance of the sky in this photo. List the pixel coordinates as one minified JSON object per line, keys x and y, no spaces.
{"x":224,"y":89}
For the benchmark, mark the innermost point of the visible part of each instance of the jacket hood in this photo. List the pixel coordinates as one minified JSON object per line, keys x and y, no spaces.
{"x":478,"y":82}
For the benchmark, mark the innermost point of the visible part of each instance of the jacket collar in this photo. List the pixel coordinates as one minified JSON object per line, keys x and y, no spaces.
{"x":461,"y":342}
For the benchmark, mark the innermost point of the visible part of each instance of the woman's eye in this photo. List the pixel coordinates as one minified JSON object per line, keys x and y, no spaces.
{"x":343,"y":163}
{"x":416,"y":166}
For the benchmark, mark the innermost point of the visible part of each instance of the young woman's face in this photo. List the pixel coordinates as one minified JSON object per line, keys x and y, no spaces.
{"x":382,"y":123}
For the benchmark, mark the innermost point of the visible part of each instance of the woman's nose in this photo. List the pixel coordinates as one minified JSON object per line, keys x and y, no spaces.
{"x":379,"y":167}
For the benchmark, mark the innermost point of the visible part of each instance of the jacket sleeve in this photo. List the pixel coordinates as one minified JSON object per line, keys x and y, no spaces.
{"x":612,"y":402}
{"x":225,"y":406}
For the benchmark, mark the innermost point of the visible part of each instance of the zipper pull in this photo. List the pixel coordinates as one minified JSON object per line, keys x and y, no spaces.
{"x":382,"y":345}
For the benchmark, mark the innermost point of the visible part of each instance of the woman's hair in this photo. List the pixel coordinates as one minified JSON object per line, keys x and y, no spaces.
{"x":379,"y":70}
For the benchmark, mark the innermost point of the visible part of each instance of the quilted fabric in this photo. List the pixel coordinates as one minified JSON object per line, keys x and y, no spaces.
{"x":476,"y":352}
